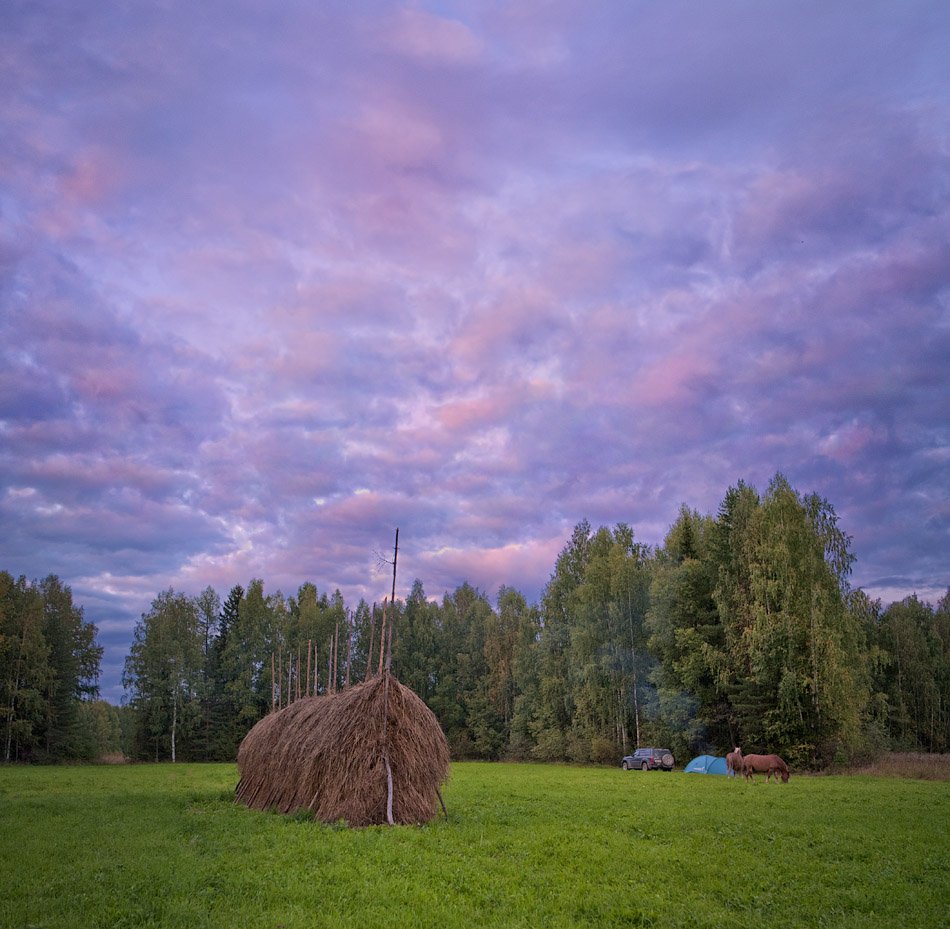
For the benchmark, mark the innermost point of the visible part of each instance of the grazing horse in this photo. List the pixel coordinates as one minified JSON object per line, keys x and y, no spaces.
{"x":767,"y":765}
{"x":734,"y":762}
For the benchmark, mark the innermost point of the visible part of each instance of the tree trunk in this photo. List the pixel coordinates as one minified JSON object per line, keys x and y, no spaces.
{"x":174,"y":724}
{"x":309,"y":650}
{"x":273,"y":685}
{"x":372,"y":635}
{"x":636,"y":697}
{"x":349,"y":652}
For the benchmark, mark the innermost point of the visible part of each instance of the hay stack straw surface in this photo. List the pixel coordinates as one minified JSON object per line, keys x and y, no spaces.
{"x":326,"y":754}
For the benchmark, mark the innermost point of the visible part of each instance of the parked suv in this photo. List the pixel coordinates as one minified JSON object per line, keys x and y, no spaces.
{"x":649,"y":759}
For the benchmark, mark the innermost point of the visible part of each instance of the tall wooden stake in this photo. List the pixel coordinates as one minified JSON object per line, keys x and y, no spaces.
{"x":382,"y":641}
{"x":392,"y":603}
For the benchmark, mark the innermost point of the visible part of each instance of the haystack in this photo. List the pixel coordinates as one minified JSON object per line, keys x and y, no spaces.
{"x":350,"y":755}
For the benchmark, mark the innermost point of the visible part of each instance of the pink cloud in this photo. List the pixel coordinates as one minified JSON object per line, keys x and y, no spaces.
{"x":419,"y":34}
{"x":94,"y":175}
{"x":468,"y":412}
{"x":673,"y":379}
{"x":490,"y":568}
{"x":847,"y":443}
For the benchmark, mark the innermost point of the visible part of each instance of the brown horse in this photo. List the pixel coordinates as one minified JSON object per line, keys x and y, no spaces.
{"x":734,"y":762}
{"x":767,"y":765}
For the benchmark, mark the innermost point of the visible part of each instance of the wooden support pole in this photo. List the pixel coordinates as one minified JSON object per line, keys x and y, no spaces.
{"x":273,"y":685}
{"x":290,"y":669}
{"x":389,"y":791}
{"x":383,"y":648}
{"x":298,"y":672}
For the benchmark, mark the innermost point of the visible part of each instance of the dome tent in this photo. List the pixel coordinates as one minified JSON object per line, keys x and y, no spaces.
{"x":707,"y":764}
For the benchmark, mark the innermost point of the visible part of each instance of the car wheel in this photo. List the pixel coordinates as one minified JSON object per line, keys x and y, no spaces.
{"x":644,"y":767}
{"x":625,"y":766}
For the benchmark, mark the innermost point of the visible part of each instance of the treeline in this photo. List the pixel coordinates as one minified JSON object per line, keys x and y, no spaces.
{"x":49,"y":672}
{"x":739,"y":629}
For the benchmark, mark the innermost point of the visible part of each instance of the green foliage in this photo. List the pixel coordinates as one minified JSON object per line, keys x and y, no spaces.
{"x":741,"y":628}
{"x":525,"y":845}
{"x":49,"y":663}
{"x":100,"y":730}
{"x":913,"y":674}
{"x":163,"y":672}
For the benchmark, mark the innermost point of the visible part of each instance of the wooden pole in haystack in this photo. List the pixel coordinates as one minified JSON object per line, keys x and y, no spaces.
{"x":299,"y":666}
{"x":325,"y":756}
{"x":273,"y":685}
{"x":290,"y":678}
{"x":389,"y":657}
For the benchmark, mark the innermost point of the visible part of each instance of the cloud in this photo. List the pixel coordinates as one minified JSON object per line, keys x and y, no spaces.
{"x":429,"y":38}
{"x":273,"y":284}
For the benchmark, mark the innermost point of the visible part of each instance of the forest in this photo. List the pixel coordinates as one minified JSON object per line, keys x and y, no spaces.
{"x":741,"y":628}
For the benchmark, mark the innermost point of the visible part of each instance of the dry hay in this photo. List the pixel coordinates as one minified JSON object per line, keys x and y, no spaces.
{"x":917,"y":765}
{"x":328,"y":755}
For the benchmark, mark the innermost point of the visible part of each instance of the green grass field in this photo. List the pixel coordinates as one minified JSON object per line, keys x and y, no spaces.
{"x":525,"y":845}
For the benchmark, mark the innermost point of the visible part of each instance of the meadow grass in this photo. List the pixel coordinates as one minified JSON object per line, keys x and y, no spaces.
{"x":524,"y":846}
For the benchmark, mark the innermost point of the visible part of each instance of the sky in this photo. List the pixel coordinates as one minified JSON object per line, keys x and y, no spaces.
{"x":278,"y":278}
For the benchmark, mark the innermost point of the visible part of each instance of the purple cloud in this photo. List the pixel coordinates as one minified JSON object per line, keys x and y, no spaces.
{"x":272,"y":284}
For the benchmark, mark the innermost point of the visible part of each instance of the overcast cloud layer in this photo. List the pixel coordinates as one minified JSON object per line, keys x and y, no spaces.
{"x":277,"y":278}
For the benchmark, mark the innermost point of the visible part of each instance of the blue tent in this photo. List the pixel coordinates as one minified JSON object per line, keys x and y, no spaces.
{"x":707,"y":764}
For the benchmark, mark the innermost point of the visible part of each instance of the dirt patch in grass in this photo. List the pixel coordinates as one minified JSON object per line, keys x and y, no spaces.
{"x":919,"y":765}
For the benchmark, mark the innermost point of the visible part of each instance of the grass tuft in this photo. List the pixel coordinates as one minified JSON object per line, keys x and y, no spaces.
{"x":916,"y":765}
